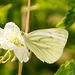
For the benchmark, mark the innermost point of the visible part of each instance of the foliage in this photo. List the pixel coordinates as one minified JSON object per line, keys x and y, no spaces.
{"x":67,"y":69}
{"x":68,"y":20}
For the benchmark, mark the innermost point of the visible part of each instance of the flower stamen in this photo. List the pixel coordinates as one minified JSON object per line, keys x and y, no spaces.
{"x":2,"y":58}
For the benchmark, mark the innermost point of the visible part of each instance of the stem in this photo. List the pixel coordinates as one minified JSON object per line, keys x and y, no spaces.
{"x":23,"y":17}
{"x":26,"y":31}
{"x":20,"y":68}
{"x":27,"y":20}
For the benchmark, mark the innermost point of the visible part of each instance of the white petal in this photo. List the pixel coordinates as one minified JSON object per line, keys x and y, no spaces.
{"x":3,"y":44}
{"x":22,"y":54}
{"x":7,"y":32}
{"x":12,"y":26}
{"x":11,"y":46}
{"x":2,"y":39}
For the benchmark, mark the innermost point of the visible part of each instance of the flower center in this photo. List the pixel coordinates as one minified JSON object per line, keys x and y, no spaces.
{"x":13,"y":38}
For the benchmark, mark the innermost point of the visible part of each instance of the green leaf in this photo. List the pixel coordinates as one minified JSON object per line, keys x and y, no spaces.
{"x":68,"y":20}
{"x":67,"y":69}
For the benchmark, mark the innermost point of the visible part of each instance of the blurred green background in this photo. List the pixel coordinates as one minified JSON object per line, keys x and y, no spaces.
{"x":44,"y":14}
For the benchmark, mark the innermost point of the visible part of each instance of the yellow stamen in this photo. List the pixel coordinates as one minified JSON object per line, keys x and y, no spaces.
{"x":2,"y":60}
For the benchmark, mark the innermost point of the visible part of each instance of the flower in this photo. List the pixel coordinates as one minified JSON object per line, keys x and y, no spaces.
{"x":10,"y":38}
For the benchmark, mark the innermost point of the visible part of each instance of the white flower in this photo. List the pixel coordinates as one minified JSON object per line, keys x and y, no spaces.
{"x":10,"y":38}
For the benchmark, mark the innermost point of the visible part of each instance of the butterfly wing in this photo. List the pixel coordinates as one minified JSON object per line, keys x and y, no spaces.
{"x":47,"y":44}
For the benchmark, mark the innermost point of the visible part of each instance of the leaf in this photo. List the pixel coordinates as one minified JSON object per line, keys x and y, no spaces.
{"x":67,"y":69}
{"x":68,"y":20}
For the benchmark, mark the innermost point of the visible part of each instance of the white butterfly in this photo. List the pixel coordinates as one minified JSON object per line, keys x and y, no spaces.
{"x":46,"y":44}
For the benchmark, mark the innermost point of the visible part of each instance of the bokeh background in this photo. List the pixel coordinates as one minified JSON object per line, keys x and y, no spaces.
{"x":44,"y":14}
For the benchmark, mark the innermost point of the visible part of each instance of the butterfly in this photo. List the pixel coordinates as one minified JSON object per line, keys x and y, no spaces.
{"x":46,"y":44}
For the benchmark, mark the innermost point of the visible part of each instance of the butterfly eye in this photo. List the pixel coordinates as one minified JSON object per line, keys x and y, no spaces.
{"x":29,"y":50}
{"x":22,"y":33}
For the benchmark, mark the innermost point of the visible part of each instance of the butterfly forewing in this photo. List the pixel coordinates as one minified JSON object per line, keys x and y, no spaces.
{"x":47,"y":44}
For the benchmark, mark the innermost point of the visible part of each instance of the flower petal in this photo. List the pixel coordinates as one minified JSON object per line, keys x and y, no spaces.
{"x":2,"y":39}
{"x":12,"y":26}
{"x":11,"y":46}
{"x":22,"y":54}
{"x":3,"y":44}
